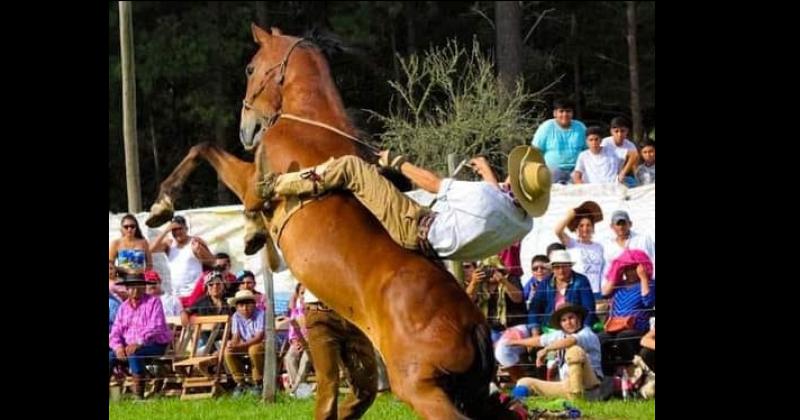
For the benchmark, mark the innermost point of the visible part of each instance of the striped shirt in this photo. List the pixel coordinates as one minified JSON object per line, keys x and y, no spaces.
{"x":145,"y":324}
{"x":629,"y":301}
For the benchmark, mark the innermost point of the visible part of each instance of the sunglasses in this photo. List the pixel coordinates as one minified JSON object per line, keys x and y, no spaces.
{"x":538,"y":267}
{"x":129,"y":226}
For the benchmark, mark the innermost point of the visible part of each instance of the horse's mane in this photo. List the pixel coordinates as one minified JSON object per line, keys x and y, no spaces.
{"x":332,"y":46}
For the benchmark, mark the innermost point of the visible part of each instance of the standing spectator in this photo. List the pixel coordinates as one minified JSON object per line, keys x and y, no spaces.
{"x":333,"y":341}
{"x":631,"y":288}
{"x":130,"y":253}
{"x":139,"y":331}
{"x":297,"y":359}
{"x":589,"y":255}
{"x":624,"y":239}
{"x":172,"y":305}
{"x":599,"y":164}
{"x":186,"y":256}
{"x":497,"y":296}
{"x":646,"y":172}
{"x":248,"y":338}
{"x":561,"y":139}
{"x":618,"y":141}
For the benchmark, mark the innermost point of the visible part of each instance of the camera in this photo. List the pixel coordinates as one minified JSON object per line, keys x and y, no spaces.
{"x":487,"y":272}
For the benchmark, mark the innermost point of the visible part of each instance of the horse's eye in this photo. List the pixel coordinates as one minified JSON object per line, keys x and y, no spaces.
{"x":249,"y":70}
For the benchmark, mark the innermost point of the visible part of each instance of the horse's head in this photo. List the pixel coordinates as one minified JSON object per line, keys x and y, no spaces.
{"x":265,"y":79}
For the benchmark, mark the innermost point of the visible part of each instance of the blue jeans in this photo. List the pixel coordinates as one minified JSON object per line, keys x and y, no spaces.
{"x":137,"y":361}
{"x":560,"y":176}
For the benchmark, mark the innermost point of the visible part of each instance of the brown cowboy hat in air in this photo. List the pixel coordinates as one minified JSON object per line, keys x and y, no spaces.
{"x":588,"y":209}
{"x":530,"y":179}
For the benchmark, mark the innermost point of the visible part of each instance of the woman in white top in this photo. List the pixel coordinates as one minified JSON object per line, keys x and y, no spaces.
{"x":588,"y":255}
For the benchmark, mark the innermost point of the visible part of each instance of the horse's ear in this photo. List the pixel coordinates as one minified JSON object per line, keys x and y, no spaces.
{"x":259,"y":35}
{"x":276,"y":31}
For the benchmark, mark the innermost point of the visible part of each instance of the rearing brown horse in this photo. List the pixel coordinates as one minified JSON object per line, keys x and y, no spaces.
{"x":434,"y":340}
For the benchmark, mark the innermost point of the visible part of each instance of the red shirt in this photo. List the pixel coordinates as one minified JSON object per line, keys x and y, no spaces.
{"x":199,"y":289}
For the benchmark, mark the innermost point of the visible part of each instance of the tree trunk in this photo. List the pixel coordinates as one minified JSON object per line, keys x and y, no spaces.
{"x":129,"y":107}
{"x":262,"y":16}
{"x":509,"y":43}
{"x":576,"y":65}
{"x":218,"y":91}
{"x":633,"y":67}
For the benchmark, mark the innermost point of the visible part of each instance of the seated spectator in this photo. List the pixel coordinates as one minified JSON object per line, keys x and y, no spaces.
{"x":248,"y":339}
{"x":632,"y":292}
{"x":646,"y":172}
{"x":246,"y":280}
{"x":646,"y":362}
{"x":564,"y":286}
{"x":588,"y":254}
{"x":578,"y":357}
{"x":172,"y":305}
{"x":139,"y":331}
{"x":113,"y":307}
{"x":599,"y":164}
{"x":222,"y":264}
{"x":499,"y":298}
{"x":212,"y":303}
{"x":119,"y":292}
{"x":624,"y":148}
{"x":297,"y":358}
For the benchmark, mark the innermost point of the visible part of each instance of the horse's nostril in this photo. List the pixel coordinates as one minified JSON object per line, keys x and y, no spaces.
{"x":257,"y":129}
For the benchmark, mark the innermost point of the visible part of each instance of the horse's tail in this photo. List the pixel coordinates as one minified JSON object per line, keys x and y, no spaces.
{"x":470,"y":390}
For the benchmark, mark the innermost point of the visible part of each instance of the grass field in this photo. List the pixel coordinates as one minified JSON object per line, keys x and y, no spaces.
{"x":386,"y":407}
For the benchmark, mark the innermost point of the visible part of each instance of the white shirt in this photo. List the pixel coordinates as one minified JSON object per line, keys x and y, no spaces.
{"x":621,"y":151}
{"x":587,"y":340}
{"x":600,"y":168}
{"x":589,"y":261}
{"x":184,"y":269}
{"x":475,"y":220}
{"x":612,"y":250}
{"x":172,"y":305}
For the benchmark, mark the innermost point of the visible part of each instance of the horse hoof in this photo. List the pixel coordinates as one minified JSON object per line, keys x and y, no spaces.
{"x":159,"y":214}
{"x":254,"y":243}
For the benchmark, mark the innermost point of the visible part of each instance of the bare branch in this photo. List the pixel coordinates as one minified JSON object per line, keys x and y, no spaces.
{"x":475,"y":9}
{"x":610,"y":60}
{"x":553,"y":83}
{"x":535,"y":24}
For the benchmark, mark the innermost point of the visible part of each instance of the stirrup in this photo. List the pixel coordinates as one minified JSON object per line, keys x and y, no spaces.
{"x":392,"y":160}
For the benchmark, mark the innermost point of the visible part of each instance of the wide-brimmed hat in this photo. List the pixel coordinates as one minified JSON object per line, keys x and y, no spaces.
{"x":560,"y":256}
{"x":242,"y":295}
{"x":494,"y":262}
{"x":555,"y":318}
{"x":588,"y":209}
{"x":530,"y":179}
{"x":136,"y":279}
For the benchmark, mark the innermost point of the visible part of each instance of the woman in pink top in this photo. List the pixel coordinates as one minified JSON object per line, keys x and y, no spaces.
{"x":297,"y":357}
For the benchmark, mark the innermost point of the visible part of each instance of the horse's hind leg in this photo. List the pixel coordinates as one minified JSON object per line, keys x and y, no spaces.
{"x":236,"y":174}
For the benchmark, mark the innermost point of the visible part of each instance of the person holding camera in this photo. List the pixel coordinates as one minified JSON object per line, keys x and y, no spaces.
{"x":498,"y":296}
{"x":186,"y":256}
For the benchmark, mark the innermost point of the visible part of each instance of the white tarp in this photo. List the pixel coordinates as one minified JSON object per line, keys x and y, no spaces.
{"x":223,"y":227}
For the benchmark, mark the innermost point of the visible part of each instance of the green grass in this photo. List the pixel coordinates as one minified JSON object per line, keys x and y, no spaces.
{"x":385,"y":407}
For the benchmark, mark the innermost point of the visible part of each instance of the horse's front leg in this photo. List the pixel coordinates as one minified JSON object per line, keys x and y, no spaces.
{"x":236,"y":174}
